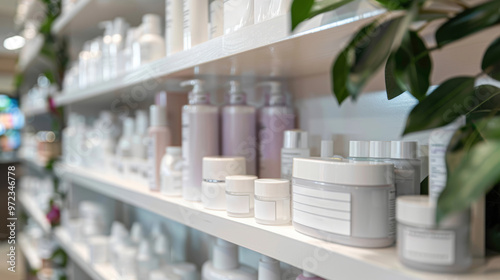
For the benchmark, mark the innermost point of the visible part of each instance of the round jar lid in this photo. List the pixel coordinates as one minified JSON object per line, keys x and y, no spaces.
{"x":418,"y":210}
{"x":359,"y":148}
{"x":217,"y":168}
{"x":380,"y":149}
{"x":344,"y":172}
{"x":240,"y":183}
{"x":276,"y":188}
{"x":404,"y":149}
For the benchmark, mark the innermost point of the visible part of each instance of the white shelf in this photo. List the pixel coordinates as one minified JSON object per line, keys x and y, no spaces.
{"x":29,"y":57}
{"x":29,"y":252}
{"x":79,"y":254}
{"x":34,"y":212}
{"x":333,"y":261}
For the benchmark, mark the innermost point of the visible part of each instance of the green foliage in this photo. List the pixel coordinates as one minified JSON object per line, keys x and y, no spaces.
{"x":491,"y":60}
{"x":395,"y":4}
{"x":306,"y":9}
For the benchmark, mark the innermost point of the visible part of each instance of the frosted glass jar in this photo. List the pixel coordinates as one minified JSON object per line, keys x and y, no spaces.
{"x":272,"y":201}
{"x":343,"y":201}
{"x":425,"y":246}
{"x":240,"y":195}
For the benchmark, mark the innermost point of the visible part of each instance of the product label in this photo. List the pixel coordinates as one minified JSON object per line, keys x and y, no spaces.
{"x":265,"y":210}
{"x":392,"y":212}
{"x":287,"y":156}
{"x":324,"y":210}
{"x":238,"y":204}
{"x":435,"y":247}
{"x":185,"y":146}
{"x":152,"y":163}
{"x":438,"y":143}
{"x":186,"y":24}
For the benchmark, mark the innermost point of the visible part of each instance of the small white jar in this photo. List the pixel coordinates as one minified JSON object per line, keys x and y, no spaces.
{"x":240,"y":195}
{"x":426,"y":246}
{"x":272,"y":201}
{"x":98,"y":249}
{"x":213,"y":187}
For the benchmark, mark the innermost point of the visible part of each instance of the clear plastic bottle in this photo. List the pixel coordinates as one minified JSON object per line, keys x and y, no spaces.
{"x":274,"y":118}
{"x":239,"y":137}
{"x":200,"y":138}
{"x":171,"y":172}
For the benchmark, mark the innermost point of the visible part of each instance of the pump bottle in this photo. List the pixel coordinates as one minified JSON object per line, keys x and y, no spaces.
{"x":225,"y":265}
{"x":200,"y":138}
{"x":274,"y":118}
{"x":239,"y":128}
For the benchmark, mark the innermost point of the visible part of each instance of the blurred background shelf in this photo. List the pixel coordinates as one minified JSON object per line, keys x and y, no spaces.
{"x":34,"y":212}
{"x":29,"y":252}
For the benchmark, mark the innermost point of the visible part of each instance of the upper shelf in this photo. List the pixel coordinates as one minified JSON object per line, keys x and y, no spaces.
{"x":329,"y":260}
{"x":83,"y":18}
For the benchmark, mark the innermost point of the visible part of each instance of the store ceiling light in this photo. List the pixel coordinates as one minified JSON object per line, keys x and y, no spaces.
{"x":14,"y":42}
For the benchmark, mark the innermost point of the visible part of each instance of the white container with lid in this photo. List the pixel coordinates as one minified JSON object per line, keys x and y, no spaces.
{"x":240,"y":195}
{"x":295,"y":144}
{"x":272,"y":201}
{"x":404,"y":156}
{"x":98,"y":249}
{"x":424,"y":245}
{"x":171,"y":172}
{"x":344,"y":201}
{"x":215,"y":171}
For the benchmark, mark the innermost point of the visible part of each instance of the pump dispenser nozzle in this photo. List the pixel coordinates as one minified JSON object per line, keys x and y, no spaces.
{"x":197,"y":95}
{"x":275,"y":94}
{"x":236,"y":95}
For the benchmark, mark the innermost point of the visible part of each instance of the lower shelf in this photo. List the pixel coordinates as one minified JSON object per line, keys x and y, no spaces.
{"x":329,"y":260}
{"x":29,"y":253}
{"x":80,"y":255}
{"x":34,"y":212}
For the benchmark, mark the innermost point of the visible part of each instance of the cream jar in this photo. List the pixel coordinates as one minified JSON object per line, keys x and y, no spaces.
{"x":272,"y":201}
{"x":240,"y":195}
{"x":426,"y":246}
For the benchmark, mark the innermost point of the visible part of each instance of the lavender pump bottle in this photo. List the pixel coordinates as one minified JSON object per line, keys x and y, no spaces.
{"x":274,"y":118}
{"x":239,"y":137}
{"x":200,"y":138}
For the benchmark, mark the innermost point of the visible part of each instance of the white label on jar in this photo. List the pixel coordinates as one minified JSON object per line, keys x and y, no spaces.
{"x":238,"y":204}
{"x":392,"y":212}
{"x":265,"y":210}
{"x":429,"y":246}
{"x":337,"y":226}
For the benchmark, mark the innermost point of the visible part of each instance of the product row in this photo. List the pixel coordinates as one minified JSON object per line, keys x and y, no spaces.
{"x":135,"y":254}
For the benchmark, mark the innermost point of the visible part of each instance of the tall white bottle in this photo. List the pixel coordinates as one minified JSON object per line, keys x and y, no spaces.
{"x":269,"y":269}
{"x":139,"y":140}
{"x":174,"y":26}
{"x":124,"y":149}
{"x":200,"y":138}
{"x":195,"y":22}
{"x":225,"y":264}
{"x":152,"y":44}
{"x":239,"y":136}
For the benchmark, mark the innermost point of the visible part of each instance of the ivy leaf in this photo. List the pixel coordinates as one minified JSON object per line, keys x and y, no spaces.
{"x":440,"y":107}
{"x":468,"y":22}
{"x":413,"y":65}
{"x":395,"y":4}
{"x":491,"y":60}
{"x":478,"y":171}
{"x":302,"y":10}
{"x":391,"y":85}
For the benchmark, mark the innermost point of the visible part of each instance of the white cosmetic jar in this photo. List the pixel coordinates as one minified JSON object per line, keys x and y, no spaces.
{"x":240,"y":195}
{"x":426,"y":246}
{"x":343,"y":201}
{"x":272,"y":201}
{"x":98,"y":249}
{"x":215,"y":171}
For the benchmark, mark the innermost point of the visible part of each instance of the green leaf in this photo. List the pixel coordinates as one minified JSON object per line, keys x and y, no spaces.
{"x":468,"y":22}
{"x":395,"y":4}
{"x":391,"y":85}
{"x":302,"y":10}
{"x":413,"y":65}
{"x":340,"y":74}
{"x":431,"y":15}
{"x":491,"y":60}
{"x":474,"y":176}
{"x":440,"y":107}
{"x":489,"y":128}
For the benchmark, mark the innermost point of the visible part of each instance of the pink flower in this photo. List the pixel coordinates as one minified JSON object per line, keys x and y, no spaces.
{"x":54,"y":215}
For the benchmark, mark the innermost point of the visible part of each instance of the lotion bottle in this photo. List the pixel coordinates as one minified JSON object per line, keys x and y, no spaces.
{"x":159,"y":138}
{"x":200,"y":138}
{"x":269,"y":269}
{"x":274,"y":118}
{"x":151,"y":43}
{"x":171,"y":172}
{"x":195,"y":22}
{"x":139,"y":140}
{"x":225,"y":265}
{"x":239,"y":136}
{"x":173,"y":26}
{"x":124,"y":149}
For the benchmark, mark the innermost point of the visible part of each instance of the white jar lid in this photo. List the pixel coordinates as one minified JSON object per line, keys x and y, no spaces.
{"x":217,"y":168}
{"x":418,"y":210}
{"x":380,"y":149}
{"x":240,"y":183}
{"x":344,"y":172}
{"x":276,"y":188}
{"x":404,"y":149}
{"x":359,"y":148}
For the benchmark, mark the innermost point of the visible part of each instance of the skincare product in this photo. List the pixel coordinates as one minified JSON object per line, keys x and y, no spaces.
{"x":406,"y":167}
{"x":326,"y":148}
{"x":161,"y":249}
{"x":124,"y":149}
{"x":272,"y":201}
{"x":187,"y":271}
{"x":171,"y":172}
{"x":152,"y":44}
{"x":139,"y":140}
{"x":237,"y":14}
{"x":200,"y":138}
{"x":424,"y":245}
{"x":216,"y":18}
{"x":295,"y":144}
{"x":215,"y":170}
{"x":174,"y":26}
{"x":239,"y":137}
{"x":98,"y":249}
{"x":146,"y":260}
{"x":225,"y":265}
{"x":195,"y":22}
{"x":269,"y":269}
{"x":240,"y":195}
{"x":344,"y":201}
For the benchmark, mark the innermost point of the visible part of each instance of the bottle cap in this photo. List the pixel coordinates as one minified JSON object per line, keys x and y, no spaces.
{"x":240,"y":183}
{"x":326,"y":148}
{"x":275,"y":188}
{"x":128,"y":126}
{"x":158,"y":115}
{"x":359,"y":148}
{"x":141,"y":122}
{"x":380,"y":149}
{"x":225,"y":255}
{"x":418,"y":210}
{"x":136,"y":233}
{"x":404,"y":149}
{"x":295,"y":139}
{"x":236,"y":95}
{"x":174,"y":150}
{"x":217,"y":168}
